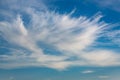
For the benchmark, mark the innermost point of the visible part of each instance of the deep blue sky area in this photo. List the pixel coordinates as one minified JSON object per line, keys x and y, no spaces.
{"x":86,"y":7}
{"x":59,"y":39}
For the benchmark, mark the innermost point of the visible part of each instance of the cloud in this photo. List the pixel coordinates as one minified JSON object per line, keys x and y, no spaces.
{"x":103,"y":77}
{"x":111,"y":4}
{"x":102,"y":58}
{"x":70,"y":40}
{"x":87,"y":72}
{"x":114,"y":36}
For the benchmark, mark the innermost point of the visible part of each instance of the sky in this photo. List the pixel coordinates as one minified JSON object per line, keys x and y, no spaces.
{"x":59,"y":39}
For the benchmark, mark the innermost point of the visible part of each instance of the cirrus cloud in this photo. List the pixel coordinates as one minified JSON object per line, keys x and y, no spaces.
{"x":68,"y":38}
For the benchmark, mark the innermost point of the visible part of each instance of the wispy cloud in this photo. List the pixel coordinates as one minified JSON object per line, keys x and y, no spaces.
{"x":88,"y":71}
{"x":111,"y":4}
{"x":103,"y":77}
{"x":72,"y":37}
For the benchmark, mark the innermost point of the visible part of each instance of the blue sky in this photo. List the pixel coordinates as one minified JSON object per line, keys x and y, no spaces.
{"x":59,"y":40}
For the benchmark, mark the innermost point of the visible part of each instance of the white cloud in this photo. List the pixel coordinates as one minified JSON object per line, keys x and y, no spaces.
{"x":103,"y":77}
{"x":111,"y":4}
{"x":69,"y":35}
{"x":102,"y":58}
{"x":88,"y":71}
{"x":114,"y":36}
